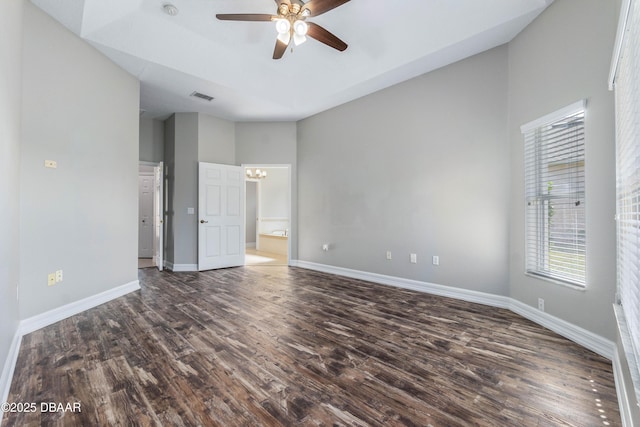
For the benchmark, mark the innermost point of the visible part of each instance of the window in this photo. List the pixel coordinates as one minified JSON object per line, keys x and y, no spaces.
{"x":555,"y":202}
{"x":625,"y":75}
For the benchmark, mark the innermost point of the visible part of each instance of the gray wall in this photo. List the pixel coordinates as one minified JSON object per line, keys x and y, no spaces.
{"x":421,"y":167}
{"x":562,"y":57}
{"x":190,"y":138}
{"x":82,"y":111}
{"x":216,"y":140}
{"x":10,"y":136}
{"x":185,"y":189}
{"x":274,"y":197}
{"x":271,"y":143}
{"x":169,"y":186}
{"x":151,"y":140}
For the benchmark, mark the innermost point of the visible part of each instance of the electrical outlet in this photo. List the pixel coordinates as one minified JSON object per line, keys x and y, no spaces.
{"x":414,"y":258}
{"x":540,"y":304}
{"x":388,"y":254}
{"x":436,"y":260}
{"x":50,"y":164}
{"x":325,"y":247}
{"x":58,"y":276}
{"x":51,"y":279}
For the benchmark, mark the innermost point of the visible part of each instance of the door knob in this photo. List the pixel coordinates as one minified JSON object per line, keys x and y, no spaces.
{"x":202,"y":221}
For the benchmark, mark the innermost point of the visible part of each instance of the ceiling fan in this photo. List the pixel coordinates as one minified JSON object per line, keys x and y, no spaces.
{"x":291,"y":23}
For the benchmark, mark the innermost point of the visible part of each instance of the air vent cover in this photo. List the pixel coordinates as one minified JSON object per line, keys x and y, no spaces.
{"x":202,"y":96}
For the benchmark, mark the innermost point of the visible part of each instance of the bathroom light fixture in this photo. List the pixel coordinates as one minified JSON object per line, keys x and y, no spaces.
{"x":257,"y":174}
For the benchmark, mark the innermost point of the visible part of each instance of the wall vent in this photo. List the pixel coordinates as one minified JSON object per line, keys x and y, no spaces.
{"x":202,"y":96}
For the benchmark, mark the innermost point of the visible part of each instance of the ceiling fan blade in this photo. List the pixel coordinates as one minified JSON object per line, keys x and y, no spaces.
{"x":280,"y":49}
{"x":318,"y":7}
{"x":245,"y":17}
{"x":319,"y":33}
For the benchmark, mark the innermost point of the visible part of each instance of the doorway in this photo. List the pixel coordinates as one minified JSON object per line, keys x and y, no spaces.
{"x":150,"y":215}
{"x":268,"y":214}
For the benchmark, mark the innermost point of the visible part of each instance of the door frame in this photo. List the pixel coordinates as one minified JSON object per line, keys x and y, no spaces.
{"x":257,"y":181}
{"x":158,"y":215}
{"x":141,"y":208}
{"x":289,"y":198}
{"x":162,"y":201}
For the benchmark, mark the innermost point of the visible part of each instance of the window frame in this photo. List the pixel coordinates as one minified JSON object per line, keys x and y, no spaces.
{"x":528,"y":129}
{"x":626,"y":56}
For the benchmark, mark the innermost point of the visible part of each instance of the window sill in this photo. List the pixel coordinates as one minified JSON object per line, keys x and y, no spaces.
{"x":557,"y":282}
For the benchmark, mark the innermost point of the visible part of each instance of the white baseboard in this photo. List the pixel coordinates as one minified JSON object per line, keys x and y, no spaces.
{"x":621,"y":387}
{"x":416,"y":285}
{"x":180,"y":267}
{"x":52,"y":316}
{"x":8,"y":369}
{"x":593,"y":342}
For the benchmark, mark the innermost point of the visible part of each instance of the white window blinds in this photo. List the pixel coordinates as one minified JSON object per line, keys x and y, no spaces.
{"x":555,"y":196}
{"x":626,"y":79}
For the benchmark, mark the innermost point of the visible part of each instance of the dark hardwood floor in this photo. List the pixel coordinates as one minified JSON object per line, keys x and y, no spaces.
{"x":273,"y":346}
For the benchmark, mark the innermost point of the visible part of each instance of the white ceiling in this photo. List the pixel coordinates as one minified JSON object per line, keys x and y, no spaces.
{"x":389,"y":42}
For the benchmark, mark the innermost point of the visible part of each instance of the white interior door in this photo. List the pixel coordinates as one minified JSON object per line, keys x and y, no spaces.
{"x":158,"y":216}
{"x":221,"y":225}
{"x":145,"y":216}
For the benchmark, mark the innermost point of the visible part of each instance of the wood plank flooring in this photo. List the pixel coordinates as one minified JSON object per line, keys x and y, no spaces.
{"x":271,"y":346}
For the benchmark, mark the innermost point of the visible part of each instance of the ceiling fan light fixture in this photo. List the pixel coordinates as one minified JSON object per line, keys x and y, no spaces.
{"x":284,"y":37}
{"x":298,"y":39}
{"x":300,"y":28}
{"x":283,"y":26}
{"x":290,"y":23}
